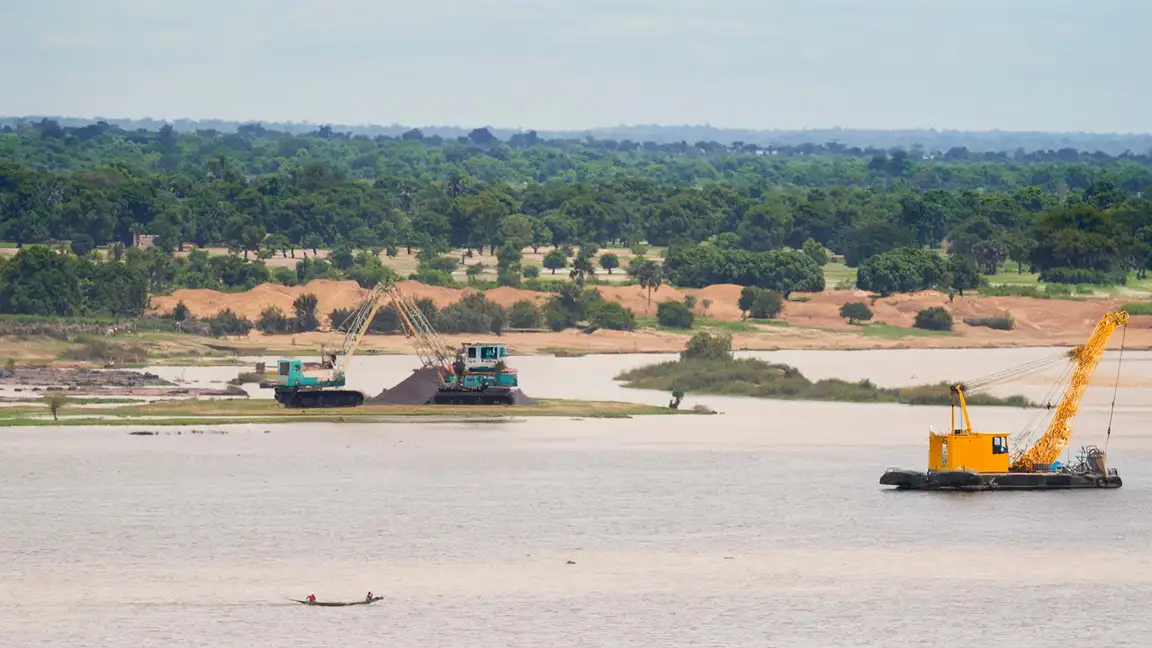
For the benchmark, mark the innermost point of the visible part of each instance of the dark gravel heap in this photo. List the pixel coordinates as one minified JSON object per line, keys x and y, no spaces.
{"x":421,"y":386}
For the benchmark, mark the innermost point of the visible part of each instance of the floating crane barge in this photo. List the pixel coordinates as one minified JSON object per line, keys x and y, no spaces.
{"x":965,"y":460}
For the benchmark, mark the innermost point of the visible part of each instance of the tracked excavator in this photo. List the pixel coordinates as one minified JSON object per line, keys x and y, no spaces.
{"x":299,"y":385}
{"x":476,"y":374}
{"x":963,"y":459}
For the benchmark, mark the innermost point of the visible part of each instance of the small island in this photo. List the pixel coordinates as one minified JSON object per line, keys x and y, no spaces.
{"x":58,"y":411}
{"x":707,"y":366}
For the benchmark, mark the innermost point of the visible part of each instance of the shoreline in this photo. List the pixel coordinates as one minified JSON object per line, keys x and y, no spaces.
{"x":250,"y":412}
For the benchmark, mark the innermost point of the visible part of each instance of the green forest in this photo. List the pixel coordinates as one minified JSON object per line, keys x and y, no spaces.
{"x":754,"y":215}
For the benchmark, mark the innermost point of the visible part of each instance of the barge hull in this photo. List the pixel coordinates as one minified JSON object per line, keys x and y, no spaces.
{"x":971,"y":481}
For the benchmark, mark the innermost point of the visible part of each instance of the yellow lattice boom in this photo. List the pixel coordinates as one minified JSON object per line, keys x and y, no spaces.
{"x":1048,"y":448}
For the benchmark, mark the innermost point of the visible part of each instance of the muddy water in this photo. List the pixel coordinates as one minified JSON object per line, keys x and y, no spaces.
{"x":761,"y":527}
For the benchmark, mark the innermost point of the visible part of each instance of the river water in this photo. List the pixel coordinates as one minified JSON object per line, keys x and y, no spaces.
{"x":763,"y":526}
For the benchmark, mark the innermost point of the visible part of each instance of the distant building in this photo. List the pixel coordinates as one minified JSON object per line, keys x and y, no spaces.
{"x":143,"y":241}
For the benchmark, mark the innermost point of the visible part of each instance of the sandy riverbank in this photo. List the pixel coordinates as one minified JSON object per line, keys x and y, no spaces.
{"x":809,"y":321}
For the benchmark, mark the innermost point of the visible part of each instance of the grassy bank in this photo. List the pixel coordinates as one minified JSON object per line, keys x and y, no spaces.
{"x":759,"y":379}
{"x":220,"y":412}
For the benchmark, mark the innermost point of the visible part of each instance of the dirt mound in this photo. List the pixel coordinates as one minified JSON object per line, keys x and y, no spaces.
{"x":506,"y":296}
{"x":421,"y":387}
{"x":812,"y":310}
{"x":330,"y":294}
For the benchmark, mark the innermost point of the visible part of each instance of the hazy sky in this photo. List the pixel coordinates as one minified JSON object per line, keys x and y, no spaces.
{"x":551,"y":64}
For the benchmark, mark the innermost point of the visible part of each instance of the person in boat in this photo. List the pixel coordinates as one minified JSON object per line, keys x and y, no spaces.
{"x":369,"y":597}
{"x":311,"y":599}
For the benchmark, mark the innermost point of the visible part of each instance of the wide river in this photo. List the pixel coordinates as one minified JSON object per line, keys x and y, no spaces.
{"x":763,"y":526}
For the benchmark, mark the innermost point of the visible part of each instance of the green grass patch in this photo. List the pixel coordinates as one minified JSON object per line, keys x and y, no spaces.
{"x":1137,"y":308}
{"x":232,"y":412}
{"x":887,"y":331}
{"x":759,"y":379}
{"x":838,"y":274}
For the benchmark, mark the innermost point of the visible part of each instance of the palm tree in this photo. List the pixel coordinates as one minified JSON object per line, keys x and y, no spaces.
{"x":650,"y":276}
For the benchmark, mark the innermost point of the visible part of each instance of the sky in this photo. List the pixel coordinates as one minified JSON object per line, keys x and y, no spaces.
{"x":1034,"y":65}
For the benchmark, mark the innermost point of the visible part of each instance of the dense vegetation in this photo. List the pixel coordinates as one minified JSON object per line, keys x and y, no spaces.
{"x":707,"y":366}
{"x":730,"y":213}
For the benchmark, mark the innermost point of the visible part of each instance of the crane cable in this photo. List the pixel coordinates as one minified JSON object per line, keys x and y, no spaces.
{"x":1013,"y":373}
{"x":1115,"y":390}
{"x":1026,"y":435}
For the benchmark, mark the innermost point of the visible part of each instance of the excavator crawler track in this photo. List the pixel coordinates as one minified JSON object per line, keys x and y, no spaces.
{"x":482,"y":397}
{"x":320,"y":399}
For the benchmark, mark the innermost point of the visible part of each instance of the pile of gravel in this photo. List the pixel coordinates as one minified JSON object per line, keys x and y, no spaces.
{"x":421,"y":387}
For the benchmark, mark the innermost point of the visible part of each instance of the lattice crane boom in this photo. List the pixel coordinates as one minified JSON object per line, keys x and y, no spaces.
{"x":434,"y":353}
{"x":1048,"y":448}
{"x":356,"y":326}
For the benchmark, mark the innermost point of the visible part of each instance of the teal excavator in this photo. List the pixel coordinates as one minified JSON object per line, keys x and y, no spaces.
{"x":476,"y":374}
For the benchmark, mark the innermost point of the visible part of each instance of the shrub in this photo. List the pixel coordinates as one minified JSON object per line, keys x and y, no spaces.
{"x":473,"y":314}
{"x":531,"y":272}
{"x":180,"y":312}
{"x":228,"y":323}
{"x":103,"y":351}
{"x":285,"y":276}
{"x":690,"y":301}
{"x":273,"y":320}
{"x":1074,"y":276}
{"x":703,"y":346}
{"x":524,"y":315}
{"x":816,"y":251}
{"x":674,"y":314}
{"x":611,"y":315}
{"x":856,"y":312}
{"x":555,"y":260}
{"x":936,"y":318}
{"x":760,"y":303}
{"x":304,"y":307}
{"x":1137,"y":308}
{"x":998,"y":322}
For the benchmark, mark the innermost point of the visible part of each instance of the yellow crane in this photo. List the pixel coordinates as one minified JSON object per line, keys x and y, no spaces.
{"x":1048,"y":448}
{"x":964,"y":459}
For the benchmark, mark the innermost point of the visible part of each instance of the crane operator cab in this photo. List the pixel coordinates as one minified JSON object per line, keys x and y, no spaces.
{"x":483,"y":365}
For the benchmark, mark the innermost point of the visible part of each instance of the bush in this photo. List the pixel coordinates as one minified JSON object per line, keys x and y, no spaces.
{"x":816,"y":251}
{"x":228,"y":323}
{"x":936,"y":318}
{"x":305,"y":309}
{"x":903,"y":270}
{"x":103,"y":351}
{"x":524,"y":315}
{"x":760,"y":303}
{"x":273,"y":320}
{"x":473,"y":314}
{"x":1137,"y":308}
{"x":285,"y":276}
{"x":1075,"y":276}
{"x":180,"y":312}
{"x":856,"y":312}
{"x":611,"y":315}
{"x":674,"y":314}
{"x":998,"y":322}
{"x":531,"y":272}
{"x":703,"y":346}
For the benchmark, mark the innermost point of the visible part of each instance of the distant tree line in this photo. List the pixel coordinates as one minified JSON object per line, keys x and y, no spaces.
{"x":727,"y":214}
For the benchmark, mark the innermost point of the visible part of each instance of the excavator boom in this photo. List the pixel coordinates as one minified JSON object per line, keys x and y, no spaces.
{"x":433,"y":352}
{"x":1048,"y":448}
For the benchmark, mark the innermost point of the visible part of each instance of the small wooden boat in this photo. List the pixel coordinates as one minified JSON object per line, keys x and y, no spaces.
{"x":339,"y":603}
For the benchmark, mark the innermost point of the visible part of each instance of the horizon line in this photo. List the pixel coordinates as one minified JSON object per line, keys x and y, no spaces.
{"x":521,"y":129}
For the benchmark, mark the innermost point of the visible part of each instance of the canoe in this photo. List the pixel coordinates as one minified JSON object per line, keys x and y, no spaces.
{"x":339,"y":603}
